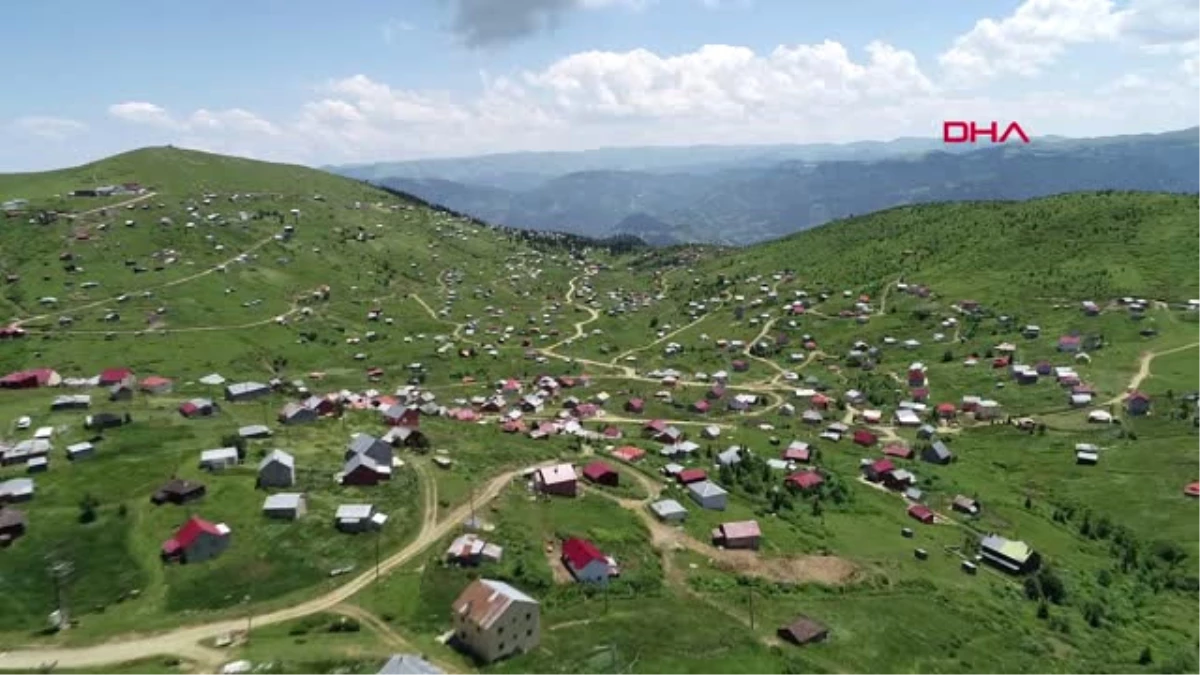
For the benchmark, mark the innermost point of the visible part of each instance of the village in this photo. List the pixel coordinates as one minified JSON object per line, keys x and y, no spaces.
{"x":406,"y":406}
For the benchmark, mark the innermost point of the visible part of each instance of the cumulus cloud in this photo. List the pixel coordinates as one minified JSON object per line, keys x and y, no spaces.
{"x":820,"y":92}
{"x":234,"y":120}
{"x":49,"y":128}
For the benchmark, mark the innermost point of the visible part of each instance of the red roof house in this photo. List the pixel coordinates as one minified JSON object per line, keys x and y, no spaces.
{"x":635,"y":405}
{"x":946,"y":410}
{"x":819,"y":401}
{"x":1137,"y":403}
{"x":700,"y":406}
{"x":601,"y":473}
{"x":865,"y":438}
{"x":879,"y":469}
{"x":155,"y":384}
{"x":898,"y":450}
{"x":196,"y":541}
{"x":584,"y":561}
{"x":797,"y":453}
{"x":742,"y":534}
{"x":112,"y":376}
{"x":30,"y":379}
{"x":403,"y":417}
{"x":921,"y":513}
{"x":1192,"y":489}
{"x":688,"y":476}
{"x":804,"y":480}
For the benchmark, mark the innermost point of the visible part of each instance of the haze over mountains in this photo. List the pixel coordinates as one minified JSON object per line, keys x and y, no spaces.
{"x":745,"y":194}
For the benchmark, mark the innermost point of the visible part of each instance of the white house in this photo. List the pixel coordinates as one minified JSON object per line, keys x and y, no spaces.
{"x":358,"y":518}
{"x":493,"y":620}
{"x":215,"y":460}
{"x":669,"y":511}
{"x":285,"y":506}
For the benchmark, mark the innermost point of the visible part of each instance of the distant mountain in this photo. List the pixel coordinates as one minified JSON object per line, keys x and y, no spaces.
{"x":741,"y":197}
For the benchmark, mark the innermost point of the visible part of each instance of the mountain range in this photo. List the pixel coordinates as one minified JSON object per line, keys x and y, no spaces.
{"x":745,"y":194}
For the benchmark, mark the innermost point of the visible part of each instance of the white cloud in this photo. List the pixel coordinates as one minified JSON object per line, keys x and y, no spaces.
{"x":818,"y":92}
{"x":233,"y":120}
{"x":49,"y":128}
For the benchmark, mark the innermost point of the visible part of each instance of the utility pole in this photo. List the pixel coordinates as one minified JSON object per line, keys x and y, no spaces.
{"x":751,"y":590}
{"x":377,"y":535}
{"x":60,"y":572}
{"x":249,"y":615}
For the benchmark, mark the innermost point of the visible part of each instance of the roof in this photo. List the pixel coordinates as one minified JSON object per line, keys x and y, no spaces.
{"x":692,"y":475}
{"x":1009,"y":548}
{"x":628,"y":453}
{"x":883,"y":466}
{"x":560,"y":473}
{"x":707,"y":488}
{"x":112,"y":374}
{"x":279,"y":456}
{"x":193,"y":528}
{"x":245,"y":387}
{"x":803,"y":629}
{"x":806,"y":479}
{"x":360,"y":443}
{"x":666,"y":507}
{"x":486,"y":600}
{"x":597,"y":469}
{"x":741,"y":529}
{"x":283,"y":500}
{"x":218,"y":454}
{"x":354,"y":511}
{"x":579,"y":553}
{"x":920,"y":511}
{"x":408,"y":664}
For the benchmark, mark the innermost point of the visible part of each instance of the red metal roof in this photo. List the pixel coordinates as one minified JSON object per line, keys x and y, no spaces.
{"x":805,"y":479}
{"x":883,"y":466}
{"x":579,"y":553}
{"x":597,"y":470}
{"x":115,"y":374}
{"x":1192,"y":489}
{"x":186,"y":535}
{"x":864,"y":437}
{"x":692,"y":476}
{"x":629,"y":453}
{"x":741,"y":529}
{"x":897,"y":450}
{"x":920,"y":512}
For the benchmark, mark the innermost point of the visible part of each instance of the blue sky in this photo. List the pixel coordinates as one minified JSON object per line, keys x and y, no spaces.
{"x":322,"y":82}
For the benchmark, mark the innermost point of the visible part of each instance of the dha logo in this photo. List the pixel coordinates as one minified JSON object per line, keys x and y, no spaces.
{"x":969,"y":132}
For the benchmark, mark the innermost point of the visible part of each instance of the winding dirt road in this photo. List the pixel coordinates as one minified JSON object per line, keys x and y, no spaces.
{"x":1144,"y":370}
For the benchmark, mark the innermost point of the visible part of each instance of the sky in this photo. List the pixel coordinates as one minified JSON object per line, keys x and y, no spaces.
{"x":318,"y":82}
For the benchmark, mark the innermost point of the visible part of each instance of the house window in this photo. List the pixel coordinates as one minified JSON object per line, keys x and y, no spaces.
{"x":529,"y":633}
{"x":462,"y":635}
{"x":501,"y":647}
{"x":500,"y":631}
{"x":529,"y":616}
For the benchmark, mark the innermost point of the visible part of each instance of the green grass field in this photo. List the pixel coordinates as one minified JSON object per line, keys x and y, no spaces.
{"x":232,"y":295}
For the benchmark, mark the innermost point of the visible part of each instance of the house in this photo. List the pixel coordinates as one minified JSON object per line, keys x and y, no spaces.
{"x":906,"y":418}
{"x":120,"y":392}
{"x":878,"y":470}
{"x":1069,"y":343}
{"x":178,"y":491}
{"x":105,"y":421}
{"x":155,"y":384}
{"x":797,"y":451}
{"x":635,"y":406}
{"x":1014,"y":557}
{"x":585,"y":562}
{"x":669,"y":435}
{"x":803,"y":630}
{"x":708,"y":495}
{"x":689,"y":476}
{"x":277,"y":469}
{"x":628,"y":453}
{"x":295,"y":413}
{"x":701,"y":407}
{"x":403,"y":415}
{"x":246,"y":391}
{"x":557,"y":480}
{"x":408,"y":437}
{"x":13,"y":524}
{"x":82,"y":450}
{"x":1137,"y":404}
{"x":322,"y":405}
{"x":740,"y":366}
{"x":1087,"y":457}
{"x":254,"y":431}
{"x":27,"y":449}
{"x":865,"y":438}
{"x":964,"y":504}
{"x":811,"y":417}
{"x":31,"y":379}
{"x":366,"y":444}
{"x":493,"y":620}
{"x":71,"y":402}
{"x":116,"y":376}
{"x":730,"y":456}
{"x":804,"y":481}
{"x":669,"y":511}
{"x":16,"y":490}
{"x":921,"y":513}
{"x":220,"y":458}
{"x":196,"y":541}
{"x":601,"y":473}
{"x":743,"y":534}
{"x":409,"y":664}
{"x":946,"y":411}
{"x":937,"y":453}
{"x":363,"y":470}
{"x":898,"y":450}
{"x":356,"y":518}
{"x":285,"y":506}
{"x":197,"y":407}
{"x":470,"y":549}
{"x":1100,"y":417}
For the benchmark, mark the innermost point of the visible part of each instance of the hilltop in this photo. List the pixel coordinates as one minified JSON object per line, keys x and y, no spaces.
{"x":989,"y":351}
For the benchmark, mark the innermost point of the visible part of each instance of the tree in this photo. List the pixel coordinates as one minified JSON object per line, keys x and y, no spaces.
{"x":1043,"y":610}
{"x":1145,"y":658}
{"x":87,"y":508}
{"x":817,"y":509}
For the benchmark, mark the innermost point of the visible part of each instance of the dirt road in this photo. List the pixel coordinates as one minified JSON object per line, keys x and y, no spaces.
{"x":183,"y":641}
{"x":1144,"y":371}
{"x":118,"y":205}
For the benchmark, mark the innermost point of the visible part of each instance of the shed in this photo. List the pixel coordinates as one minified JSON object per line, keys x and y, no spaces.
{"x":803,"y":630}
{"x":669,"y":510}
{"x":285,"y":506}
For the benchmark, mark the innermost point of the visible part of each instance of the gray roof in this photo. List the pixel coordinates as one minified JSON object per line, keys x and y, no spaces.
{"x":409,"y":664}
{"x":360,"y":443}
{"x":254,"y":430}
{"x":16,"y":486}
{"x":280,"y":456}
{"x":706,"y":488}
{"x":667,"y":507}
{"x":283,"y":500}
{"x":731,"y":456}
{"x":245,"y":387}
{"x":940,"y":449}
{"x":507,"y":590}
{"x":360,"y":459}
{"x":218,"y":454}
{"x":354,"y":511}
